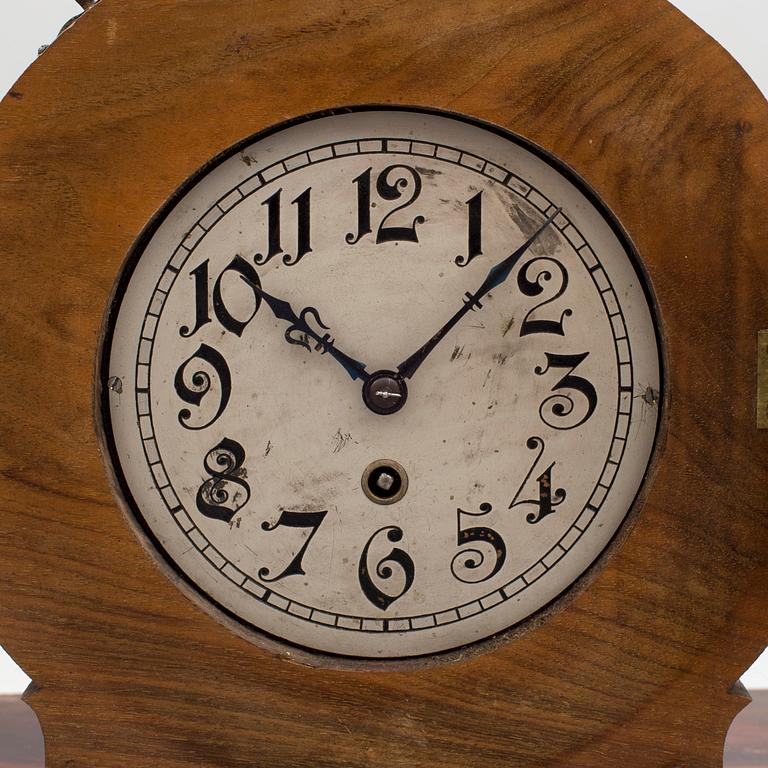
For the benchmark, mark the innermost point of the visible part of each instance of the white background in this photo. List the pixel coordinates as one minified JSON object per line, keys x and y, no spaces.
{"x":24,"y":26}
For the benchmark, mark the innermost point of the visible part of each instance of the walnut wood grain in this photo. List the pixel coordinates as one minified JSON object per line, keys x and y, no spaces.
{"x":21,"y":740}
{"x":636,"y":669}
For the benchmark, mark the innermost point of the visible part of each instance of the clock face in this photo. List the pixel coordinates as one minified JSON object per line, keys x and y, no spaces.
{"x":381,"y":383}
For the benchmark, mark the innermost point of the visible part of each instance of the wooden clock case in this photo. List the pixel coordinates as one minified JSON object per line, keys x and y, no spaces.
{"x":639,"y":666}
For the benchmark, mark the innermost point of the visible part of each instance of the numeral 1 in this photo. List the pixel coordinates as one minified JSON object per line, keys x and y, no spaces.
{"x":363,"y":182}
{"x":474,"y":230}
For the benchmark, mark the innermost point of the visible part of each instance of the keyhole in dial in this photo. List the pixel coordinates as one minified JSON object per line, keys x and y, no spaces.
{"x":385,"y":481}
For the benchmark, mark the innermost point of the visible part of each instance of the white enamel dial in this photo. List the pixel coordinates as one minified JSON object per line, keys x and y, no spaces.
{"x":478,"y":479}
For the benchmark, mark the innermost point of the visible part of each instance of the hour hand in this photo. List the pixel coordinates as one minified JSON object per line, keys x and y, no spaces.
{"x":300,"y":332}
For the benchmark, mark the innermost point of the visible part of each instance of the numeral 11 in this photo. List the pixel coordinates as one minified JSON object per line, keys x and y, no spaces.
{"x":274,"y":228}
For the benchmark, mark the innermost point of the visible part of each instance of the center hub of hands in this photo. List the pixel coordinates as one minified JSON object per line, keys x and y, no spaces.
{"x":385,"y":392}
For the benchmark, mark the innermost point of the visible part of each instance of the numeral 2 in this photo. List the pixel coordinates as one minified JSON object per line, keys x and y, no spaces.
{"x":535,"y":287}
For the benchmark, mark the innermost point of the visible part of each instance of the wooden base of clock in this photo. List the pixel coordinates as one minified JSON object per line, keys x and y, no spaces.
{"x":640,"y":667}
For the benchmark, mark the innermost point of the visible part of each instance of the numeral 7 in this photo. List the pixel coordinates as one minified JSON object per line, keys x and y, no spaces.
{"x":310,"y":520}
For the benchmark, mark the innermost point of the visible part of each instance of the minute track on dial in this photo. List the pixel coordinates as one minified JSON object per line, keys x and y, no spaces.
{"x":497,"y":275}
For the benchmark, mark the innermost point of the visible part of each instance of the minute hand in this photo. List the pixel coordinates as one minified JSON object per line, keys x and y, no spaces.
{"x":497,"y":275}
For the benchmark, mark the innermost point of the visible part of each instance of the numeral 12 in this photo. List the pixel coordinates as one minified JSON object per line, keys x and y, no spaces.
{"x":391,"y":184}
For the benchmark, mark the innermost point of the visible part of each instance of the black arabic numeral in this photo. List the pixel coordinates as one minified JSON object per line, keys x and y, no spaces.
{"x":560,"y":406}
{"x":363,"y":182}
{"x":302,"y":202}
{"x":548,"y":499}
{"x":474,"y":230}
{"x":468,"y":565}
{"x":394,"y":191}
{"x":546,"y":505}
{"x":200,"y":383}
{"x":226,"y":492}
{"x":310,"y":520}
{"x":202,"y":317}
{"x":274,"y":228}
{"x":272,"y":205}
{"x":391,"y":185}
{"x":536,"y":287}
{"x":249,"y":276}
{"x":383,"y":569}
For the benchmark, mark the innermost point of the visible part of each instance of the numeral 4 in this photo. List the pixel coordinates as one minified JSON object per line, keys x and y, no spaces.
{"x":548,"y":497}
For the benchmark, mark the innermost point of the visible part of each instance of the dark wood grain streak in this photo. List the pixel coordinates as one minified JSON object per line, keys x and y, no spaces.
{"x":131,"y":100}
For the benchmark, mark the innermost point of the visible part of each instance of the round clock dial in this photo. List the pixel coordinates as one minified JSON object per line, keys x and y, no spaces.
{"x":381,"y":383}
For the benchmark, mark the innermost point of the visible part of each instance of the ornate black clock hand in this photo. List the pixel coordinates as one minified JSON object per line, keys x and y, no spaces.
{"x":300,"y":325}
{"x":497,"y":275}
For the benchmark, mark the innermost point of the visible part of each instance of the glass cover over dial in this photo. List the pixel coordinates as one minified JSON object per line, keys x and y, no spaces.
{"x":381,"y":383}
